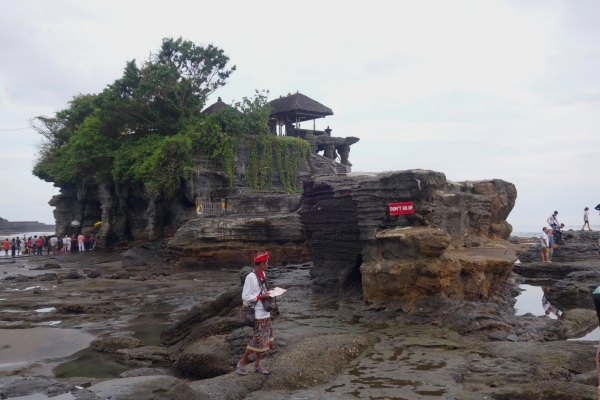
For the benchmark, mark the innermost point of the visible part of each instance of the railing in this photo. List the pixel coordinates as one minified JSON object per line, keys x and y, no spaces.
{"x":206,"y":209}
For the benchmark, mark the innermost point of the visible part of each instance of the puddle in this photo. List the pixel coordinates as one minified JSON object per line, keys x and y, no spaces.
{"x":593,"y":335}
{"x":48,"y":323}
{"x":39,"y":396}
{"x":45,"y":310}
{"x":153,"y":319}
{"x":92,"y":364}
{"x":23,"y":346}
{"x":533,"y":300}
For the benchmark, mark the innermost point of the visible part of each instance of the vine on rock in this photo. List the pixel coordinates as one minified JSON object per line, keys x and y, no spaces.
{"x":288,"y":153}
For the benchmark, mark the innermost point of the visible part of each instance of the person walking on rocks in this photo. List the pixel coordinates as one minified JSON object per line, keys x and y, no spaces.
{"x":6,"y":245}
{"x":18,"y":246}
{"x":81,"y":242}
{"x":13,"y":247}
{"x":586,"y":219}
{"x":545,"y":245}
{"x":254,"y":291}
{"x":552,"y":221}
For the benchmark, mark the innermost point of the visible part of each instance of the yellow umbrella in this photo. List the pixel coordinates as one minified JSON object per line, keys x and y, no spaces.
{"x":98,"y":224}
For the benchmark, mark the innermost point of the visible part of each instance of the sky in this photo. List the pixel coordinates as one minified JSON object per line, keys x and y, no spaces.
{"x":475,"y":89}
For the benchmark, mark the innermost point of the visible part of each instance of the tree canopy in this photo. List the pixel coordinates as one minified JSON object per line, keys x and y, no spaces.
{"x":146,"y":125}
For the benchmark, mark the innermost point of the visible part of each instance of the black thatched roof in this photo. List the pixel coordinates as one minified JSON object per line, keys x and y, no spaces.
{"x":299,"y":105}
{"x":216,"y":108}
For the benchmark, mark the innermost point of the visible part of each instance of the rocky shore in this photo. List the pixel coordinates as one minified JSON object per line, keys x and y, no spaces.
{"x":422,"y":306}
{"x":164,"y":332}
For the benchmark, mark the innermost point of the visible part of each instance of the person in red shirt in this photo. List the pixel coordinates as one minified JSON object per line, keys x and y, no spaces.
{"x":39,"y":244}
{"x":6,"y":247}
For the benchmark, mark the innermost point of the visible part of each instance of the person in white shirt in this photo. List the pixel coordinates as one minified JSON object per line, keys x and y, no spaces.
{"x":586,"y":219}
{"x":545,"y":245}
{"x":552,"y":221}
{"x":254,"y":291}
{"x":67,"y":242}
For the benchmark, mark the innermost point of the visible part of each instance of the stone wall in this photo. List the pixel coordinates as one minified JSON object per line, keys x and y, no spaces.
{"x":346,"y":219}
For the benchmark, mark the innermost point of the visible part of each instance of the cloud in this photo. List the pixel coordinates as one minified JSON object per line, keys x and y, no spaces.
{"x":505,"y":89}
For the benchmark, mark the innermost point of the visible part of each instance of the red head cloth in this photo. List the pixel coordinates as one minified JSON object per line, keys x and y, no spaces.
{"x":261,"y":256}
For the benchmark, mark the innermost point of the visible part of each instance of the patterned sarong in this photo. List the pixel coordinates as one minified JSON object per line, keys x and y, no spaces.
{"x":263,"y":334}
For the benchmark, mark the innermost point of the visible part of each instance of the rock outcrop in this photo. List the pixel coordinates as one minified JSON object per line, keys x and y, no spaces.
{"x":230,"y":242}
{"x":356,"y":244}
{"x":128,"y":212}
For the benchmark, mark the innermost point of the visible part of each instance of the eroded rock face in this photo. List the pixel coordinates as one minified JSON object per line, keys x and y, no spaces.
{"x":356,"y":244}
{"x":231,"y":242}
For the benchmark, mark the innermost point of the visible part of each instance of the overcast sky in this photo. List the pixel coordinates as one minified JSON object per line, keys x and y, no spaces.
{"x":475,"y":89}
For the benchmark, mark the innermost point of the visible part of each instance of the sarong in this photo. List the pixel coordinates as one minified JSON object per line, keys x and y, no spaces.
{"x":263,"y":334}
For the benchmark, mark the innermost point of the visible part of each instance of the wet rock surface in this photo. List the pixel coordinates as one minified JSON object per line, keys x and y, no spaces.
{"x":438,"y":348}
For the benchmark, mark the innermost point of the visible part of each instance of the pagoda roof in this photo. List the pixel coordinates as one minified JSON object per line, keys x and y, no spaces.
{"x":299,"y":105}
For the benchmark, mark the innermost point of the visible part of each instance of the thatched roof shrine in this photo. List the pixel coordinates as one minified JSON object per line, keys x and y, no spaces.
{"x":216,"y":108}
{"x":298,"y":107}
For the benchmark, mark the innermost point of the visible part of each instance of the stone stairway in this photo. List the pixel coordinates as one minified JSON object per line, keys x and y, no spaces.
{"x":339,"y":169}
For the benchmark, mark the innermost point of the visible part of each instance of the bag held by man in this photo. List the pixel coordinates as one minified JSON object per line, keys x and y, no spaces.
{"x":248,"y":317}
{"x":268,"y":304}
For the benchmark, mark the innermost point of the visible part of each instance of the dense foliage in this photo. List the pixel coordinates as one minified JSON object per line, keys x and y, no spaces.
{"x":146,"y":126}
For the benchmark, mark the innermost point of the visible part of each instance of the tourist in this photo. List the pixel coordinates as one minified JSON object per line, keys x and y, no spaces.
{"x":550,"y":244}
{"x":29,"y":246}
{"x":13,"y":247}
{"x":91,"y":242}
{"x":544,"y":242}
{"x":53,"y":245}
{"x":18,"y":246}
{"x":60,"y":245}
{"x":552,"y":221}
{"x":23,"y":246}
{"x":46,"y":245}
{"x":65,"y":240}
{"x":39,"y":242}
{"x":81,"y":242}
{"x":586,"y":219}
{"x":6,"y":247}
{"x":34,"y":244}
{"x":254,"y":291}
{"x":557,"y":232}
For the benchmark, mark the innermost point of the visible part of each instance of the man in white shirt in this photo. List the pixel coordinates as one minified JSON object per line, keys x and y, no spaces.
{"x":545,"y":245}
{"x":552,"y":221}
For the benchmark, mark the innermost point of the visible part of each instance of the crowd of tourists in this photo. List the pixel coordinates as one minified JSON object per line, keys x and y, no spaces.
{"x":47,"y":245}
{"x":552,"y":236}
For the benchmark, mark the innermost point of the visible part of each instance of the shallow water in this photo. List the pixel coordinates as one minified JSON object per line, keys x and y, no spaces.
{"x":531,"y":300}
{"x":19,"y":347}
{"x":39,"y":396}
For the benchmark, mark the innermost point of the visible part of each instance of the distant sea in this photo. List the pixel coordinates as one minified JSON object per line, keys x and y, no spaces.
{"x":26,"y":234}
{"x":532,"y":226}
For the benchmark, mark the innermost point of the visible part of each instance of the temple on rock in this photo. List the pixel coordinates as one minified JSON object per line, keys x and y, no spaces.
{"x":287,"y":116}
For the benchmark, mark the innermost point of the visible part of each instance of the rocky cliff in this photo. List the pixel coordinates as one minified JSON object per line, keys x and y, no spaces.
{"x":128,"y":212}
{"x":356,"y":244}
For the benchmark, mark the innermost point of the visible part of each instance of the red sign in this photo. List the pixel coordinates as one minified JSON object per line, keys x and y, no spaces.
{"x":402,"y":208}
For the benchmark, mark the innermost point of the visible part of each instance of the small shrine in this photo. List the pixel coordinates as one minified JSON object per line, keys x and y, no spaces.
{"x":291,"y":115}
{"x":290,"y":112}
